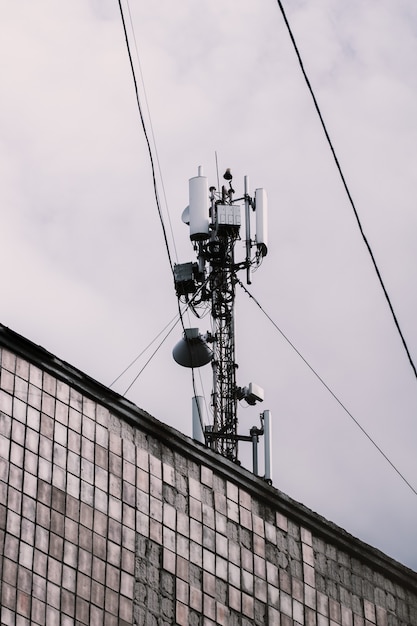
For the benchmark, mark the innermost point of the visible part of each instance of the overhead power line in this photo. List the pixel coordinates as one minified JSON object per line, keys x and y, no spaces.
{"x":145,"y":132}
{"x":174,"y":319}
{"x":151,"y":127}
{"x":328,"y":388}
{"x":345,"y":185}
{"x":154,"y":184}
{"x":152,"y":355}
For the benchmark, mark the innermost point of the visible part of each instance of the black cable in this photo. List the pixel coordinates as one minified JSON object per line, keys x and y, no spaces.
{"x":327,"y":387}
{"x":336,"y":160}
{"x":189,"y":304}
{"x":151,"y":357}
{"x":143,"y":351}
{"x":180,"y":318}
{"x":154,"y":185}
{"x":146,"y":136}
{"x":151,"y":127}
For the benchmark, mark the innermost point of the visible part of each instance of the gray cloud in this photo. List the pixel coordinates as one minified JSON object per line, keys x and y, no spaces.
{"x":84,"y":268}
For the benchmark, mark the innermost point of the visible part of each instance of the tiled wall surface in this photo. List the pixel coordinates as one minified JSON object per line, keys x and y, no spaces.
{"x":100,"y":524}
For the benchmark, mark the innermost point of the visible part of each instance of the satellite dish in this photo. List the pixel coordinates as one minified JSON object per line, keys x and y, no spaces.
{"x":192,"y":350}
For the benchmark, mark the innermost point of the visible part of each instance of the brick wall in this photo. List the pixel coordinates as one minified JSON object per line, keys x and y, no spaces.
{"x":109,"y":517}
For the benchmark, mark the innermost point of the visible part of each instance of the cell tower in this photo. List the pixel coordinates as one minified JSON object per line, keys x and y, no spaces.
{"x":214,"y":218}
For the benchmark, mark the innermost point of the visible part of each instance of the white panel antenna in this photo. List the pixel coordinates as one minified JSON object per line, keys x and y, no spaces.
{"x":198,"y":210}
{"x":261,"y":209}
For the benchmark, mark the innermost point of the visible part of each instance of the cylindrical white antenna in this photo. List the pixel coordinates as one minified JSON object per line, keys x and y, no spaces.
{"x":198,"y":429}
{"x":268,"y":445}
{"x":199,"y":207}
{"x":261,"y":206}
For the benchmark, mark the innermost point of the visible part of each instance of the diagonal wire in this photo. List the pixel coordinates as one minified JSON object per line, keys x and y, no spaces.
{"x":145,"y":132}
{"x":153,"y":173}
{"x":328,"y":388}
{"x":153,"y":179}
{"x":180,"y":317}
{"x":143,"y":351}
{"x":152,"y":355}
{"x":151,"y":127}
{"x":345,"y":185}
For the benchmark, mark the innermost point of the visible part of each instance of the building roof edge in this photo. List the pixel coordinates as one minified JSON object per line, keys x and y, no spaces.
{"x":270,"y":495}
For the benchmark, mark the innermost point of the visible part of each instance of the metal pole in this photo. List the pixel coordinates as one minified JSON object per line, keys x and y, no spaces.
{"x":255,"y":439}
{"x":247,"y":224}
{"x":198,"y":428}
{"x":268,"y":445}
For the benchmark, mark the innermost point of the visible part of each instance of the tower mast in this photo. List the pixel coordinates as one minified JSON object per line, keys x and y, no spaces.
{"x":222,"y":289}
{"x":214,"y":219}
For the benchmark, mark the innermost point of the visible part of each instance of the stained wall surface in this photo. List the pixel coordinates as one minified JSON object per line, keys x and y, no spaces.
{"x":109,"y":517}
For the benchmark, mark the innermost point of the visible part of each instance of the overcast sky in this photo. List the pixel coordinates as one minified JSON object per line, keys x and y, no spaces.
{"x":85,"y":272}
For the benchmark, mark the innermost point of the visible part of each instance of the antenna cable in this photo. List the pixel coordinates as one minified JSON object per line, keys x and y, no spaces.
{"x":328,"y":388}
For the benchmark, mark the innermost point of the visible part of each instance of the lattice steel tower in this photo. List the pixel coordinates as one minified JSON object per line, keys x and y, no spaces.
{"x":214,"y":218}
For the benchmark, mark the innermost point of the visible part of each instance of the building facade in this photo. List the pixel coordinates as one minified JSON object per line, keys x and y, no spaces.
{"x":109,"y":517}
